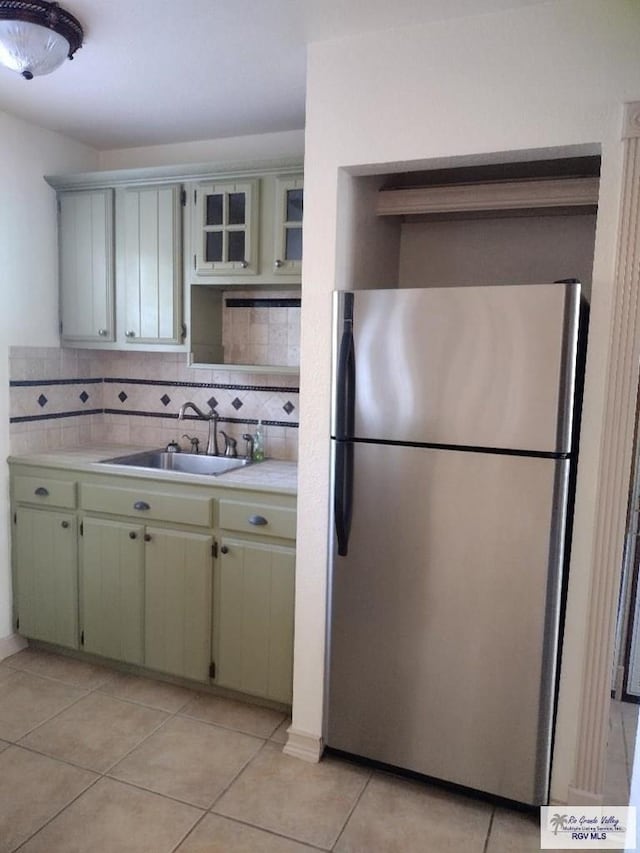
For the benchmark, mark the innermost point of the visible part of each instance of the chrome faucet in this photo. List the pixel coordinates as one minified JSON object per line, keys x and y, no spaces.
{"x":213,"y":417}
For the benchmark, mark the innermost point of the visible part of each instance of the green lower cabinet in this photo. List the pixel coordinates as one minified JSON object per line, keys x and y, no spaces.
{"x":254,"y":614}
{"x":46,"y":571}
{"x":178,"y":570}
{"x":112,"y":589}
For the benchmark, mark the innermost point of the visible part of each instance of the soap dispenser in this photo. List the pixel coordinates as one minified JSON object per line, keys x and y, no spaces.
{"x":258,"y":444}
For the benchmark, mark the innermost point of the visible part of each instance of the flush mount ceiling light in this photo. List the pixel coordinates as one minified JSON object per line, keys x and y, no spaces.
{"x":36,"y":37}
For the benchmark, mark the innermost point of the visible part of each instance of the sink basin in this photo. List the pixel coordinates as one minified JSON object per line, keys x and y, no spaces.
{"x":187,"y":463}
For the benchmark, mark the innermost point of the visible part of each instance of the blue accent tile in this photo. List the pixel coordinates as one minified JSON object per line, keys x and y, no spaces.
{"x":165,"y":399}
{"x":84,"y":396}
{"x":212,"y":402}
{"x":237,"y":404}
{"x":122,"y":396}
{"x":42,"y":400}
{"x":288,"y":407}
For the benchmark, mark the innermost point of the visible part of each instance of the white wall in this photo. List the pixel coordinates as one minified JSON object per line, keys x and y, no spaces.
{"x":29,"y":271}
{"x":265,"y":146}
{"x":513,"y":250}
{"x":543,"y":77}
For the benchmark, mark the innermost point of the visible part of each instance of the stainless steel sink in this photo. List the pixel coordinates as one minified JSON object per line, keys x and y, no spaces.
{"x":187,"y":463}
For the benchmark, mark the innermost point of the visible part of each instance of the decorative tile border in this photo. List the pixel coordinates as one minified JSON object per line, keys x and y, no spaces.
{"x":230,"y":302}
{"x":171,"y":416}
{"x":116,"y":380}
{"x":23,"y":419}
{"x":30,"y":383}
{"x":111,"y":398}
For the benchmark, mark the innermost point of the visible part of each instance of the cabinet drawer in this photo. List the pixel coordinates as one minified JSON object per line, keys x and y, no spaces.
{"x":258,"y":518}
{"x":146,"y":504}
{"x":45,"y":491}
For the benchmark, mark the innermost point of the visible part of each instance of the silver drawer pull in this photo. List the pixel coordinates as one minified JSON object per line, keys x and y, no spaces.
{"x":142,"y":505}
{"x":41,"y":492}
{"x":258,"y":520}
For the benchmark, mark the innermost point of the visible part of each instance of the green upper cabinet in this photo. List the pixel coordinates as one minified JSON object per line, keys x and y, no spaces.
{"x":86,"y":266}
{"x":121,"y":267}
{"x":149,"y":264}
{"x":288,"y":226}
{"x":225,"y":228}
{"x":247,"y":231}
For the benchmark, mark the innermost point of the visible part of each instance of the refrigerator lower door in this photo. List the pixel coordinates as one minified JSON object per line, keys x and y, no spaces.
{"x":444,"y":616}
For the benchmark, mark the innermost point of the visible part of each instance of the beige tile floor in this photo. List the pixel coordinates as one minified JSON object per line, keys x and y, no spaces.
{"x":93,"y":761}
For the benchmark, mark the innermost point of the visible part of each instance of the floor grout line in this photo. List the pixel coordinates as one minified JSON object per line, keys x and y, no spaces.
{"x":56,"y":815}
{"x":489,"y":828}
{"x":240,"y":771}
{"x":188,"y":832}
{"x":352,"y":809}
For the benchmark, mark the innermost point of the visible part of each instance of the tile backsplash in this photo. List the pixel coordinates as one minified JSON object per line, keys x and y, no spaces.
{"x":64,"y":398}
{"x":261,"y":330}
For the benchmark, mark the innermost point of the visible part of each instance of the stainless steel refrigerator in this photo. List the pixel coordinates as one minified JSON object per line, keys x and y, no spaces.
{"x":452,"y":451}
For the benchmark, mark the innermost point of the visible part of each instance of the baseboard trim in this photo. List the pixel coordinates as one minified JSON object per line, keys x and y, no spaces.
{"x":578,"y":797}
{"x":11,"y":644}
{"x":304,"y":746}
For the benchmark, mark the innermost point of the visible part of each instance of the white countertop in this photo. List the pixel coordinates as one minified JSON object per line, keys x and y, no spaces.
{"x":271,"y":475}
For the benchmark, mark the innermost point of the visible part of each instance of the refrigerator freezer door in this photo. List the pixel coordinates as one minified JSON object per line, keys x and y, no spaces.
{"x":444,"y":616}
{"x":467,"y":366}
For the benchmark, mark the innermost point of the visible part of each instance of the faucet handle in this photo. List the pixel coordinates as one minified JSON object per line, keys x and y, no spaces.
{"x":195,"y":442}
{"x":249,"y":448}
{"x":230,"y":445}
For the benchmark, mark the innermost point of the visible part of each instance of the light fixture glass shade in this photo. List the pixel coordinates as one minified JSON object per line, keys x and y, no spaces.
{"x":30,"y":49}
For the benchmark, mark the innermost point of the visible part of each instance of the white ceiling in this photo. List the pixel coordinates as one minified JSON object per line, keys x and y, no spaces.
{"x":159,"y":71}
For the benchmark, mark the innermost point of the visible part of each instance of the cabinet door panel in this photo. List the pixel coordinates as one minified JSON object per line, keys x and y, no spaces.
{"x":178,"y":603}
{"x":47,"y":576}
{"x":112,"y":591}
{"x":225,"y":229}
{"x":86,"y":265}
{"x":288,"y":226}
{"x":254,"y":607}
{"x":149,"y":253}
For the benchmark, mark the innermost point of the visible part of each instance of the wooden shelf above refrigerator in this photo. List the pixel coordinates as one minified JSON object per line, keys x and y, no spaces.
{"x":579,"y":194}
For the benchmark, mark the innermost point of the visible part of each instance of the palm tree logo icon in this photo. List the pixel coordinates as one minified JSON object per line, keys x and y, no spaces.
{"x":558,"y":821}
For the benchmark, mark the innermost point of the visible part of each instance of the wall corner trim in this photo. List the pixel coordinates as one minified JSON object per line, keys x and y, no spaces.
{"x":11,"y":645}
{"x":613,"y":477}
{"x":631,"y":120}
{"x":578,"y":797}
{"x":304,"y":745}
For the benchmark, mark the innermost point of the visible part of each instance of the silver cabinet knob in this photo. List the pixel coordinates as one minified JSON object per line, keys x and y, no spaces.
{"x":103,"y":332}
{"x":130,"y":334}
{"x":245,"y":264}
{"x":279,"y":263}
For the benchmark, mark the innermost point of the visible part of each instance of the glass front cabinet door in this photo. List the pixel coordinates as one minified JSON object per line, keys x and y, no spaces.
{"x":226,"y":228}
{"x":288,"y":226}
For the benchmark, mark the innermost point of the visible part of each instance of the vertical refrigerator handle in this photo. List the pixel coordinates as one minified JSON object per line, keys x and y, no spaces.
{"x":345,"y":411}
{"x":343,"y":497}
{"x":346,"y":383}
